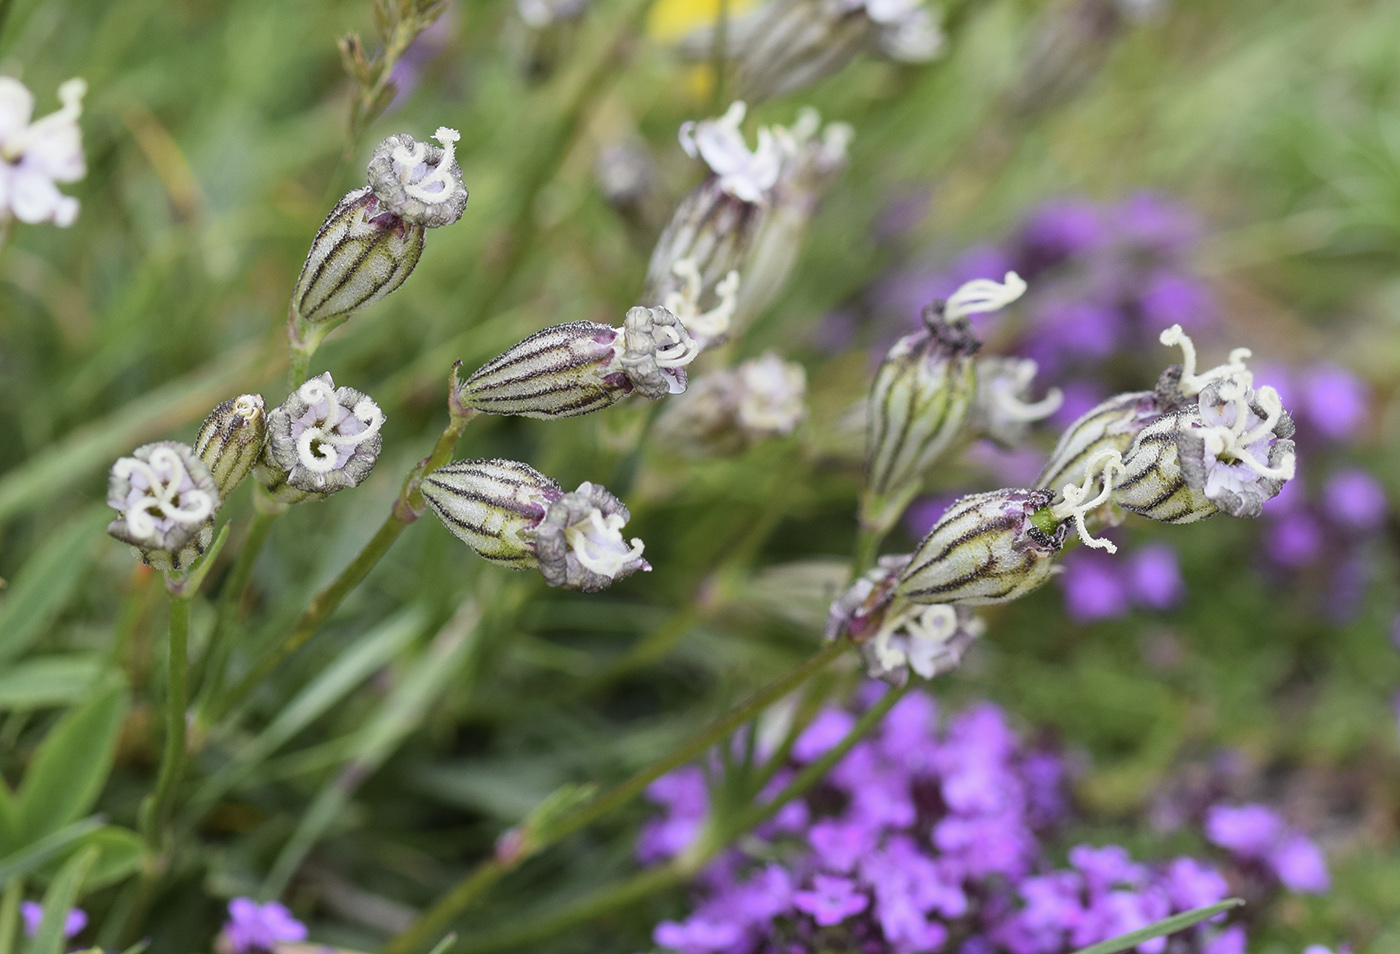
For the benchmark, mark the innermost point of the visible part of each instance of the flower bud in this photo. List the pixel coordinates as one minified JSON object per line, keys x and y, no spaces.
{"x":1230,"y":451}
{"x":493,"y":506}
{"x":576,"y":368}
{"x":1002,"y":410}
{"x":230,"y":440}
{"x":373,"y":238}
{"x":320,"y":440}
{"x":896,"y":635}
{"x":417,"y":181}
{"x":361,"y":253}
{"x":987,"y":548}
{"x":165,"y":500}
{"x":513,"y":515}
{"x":726,"y":412}
{"x":919,"y":402}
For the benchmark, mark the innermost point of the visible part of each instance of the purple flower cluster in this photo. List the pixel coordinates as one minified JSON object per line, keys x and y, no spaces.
{"x":1257,"y":836}
{"x":254,"y":928}
{"x":1098,"y":586}
{"x":32,"y":914}
{"x":922,"y":838}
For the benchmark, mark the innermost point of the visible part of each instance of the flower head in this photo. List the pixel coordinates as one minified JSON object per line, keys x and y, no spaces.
{"x":726,"y":412}
{"x":254,"y":928}
{"x":743,"y":173}
{"x":231,"y":439}
{"x":165,"y":498}
{"x":580,"y":545}
{"x":417,"y":181}
{"x":35,"y":156}
{"x":320,"y":440}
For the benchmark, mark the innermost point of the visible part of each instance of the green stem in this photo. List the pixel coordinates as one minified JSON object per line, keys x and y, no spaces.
{"x":9,"y":913}
{"x":488,"y":872}
{"x":406,"y":509}
{"x":155,"y":810}
{"x":209,"y":675}
{"x":868,"y":540}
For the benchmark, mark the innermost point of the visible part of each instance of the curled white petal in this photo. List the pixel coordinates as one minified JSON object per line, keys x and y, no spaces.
{"x":1106,"y":465}
{"x":598,"y":544}
{"x":1193,"y":383}
{"x":983,"y":295}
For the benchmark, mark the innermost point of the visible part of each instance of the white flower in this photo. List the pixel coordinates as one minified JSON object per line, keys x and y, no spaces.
{"x":771,"y":393}
{"x":744,"y":174}
{"x":36,"y":155}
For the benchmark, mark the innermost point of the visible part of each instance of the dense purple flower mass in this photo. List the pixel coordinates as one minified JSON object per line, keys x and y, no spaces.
{"x":929,"y":836}
{"x":1258,"y":834}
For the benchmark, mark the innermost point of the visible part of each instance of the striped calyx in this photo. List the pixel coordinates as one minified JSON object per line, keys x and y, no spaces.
{"x":493,"y":506}
{"x":320,"y":440}
{"x":921,"y":398}
{"x":582,"y":366}
{"x":987,"y":548}
{"x":361,"y":253}
{"x":230,"y":440}
{"x":165,"y":500}
{"x":1112,"y":425}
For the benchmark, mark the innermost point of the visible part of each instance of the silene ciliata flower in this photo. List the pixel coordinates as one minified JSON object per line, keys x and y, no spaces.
{"x":726,"y":412}
{"x":582,"y":366}
{"x":923,"y":395}
{"x":897,"y":636}
{"x":1227,"y":450}
{"x":785,"y":45}
{"x":511,"y":514}
{"x":230,"y":441}
{"x":320,"y":440}
{"x":165,"y":498}
{"x":1002,"y":409}
{"x":986,"y":548}
{"x":374,"y":236}
{"x":36,"y":155}
{"x":1112,"y":425}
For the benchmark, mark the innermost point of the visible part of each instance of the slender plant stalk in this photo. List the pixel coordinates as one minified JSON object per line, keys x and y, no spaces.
{"x":469,"y":889}
{"x":155,"y":810}
{"x":9,"y":913}
{"x":406,"y":509}
{"x":209,"y":675}
{"x":867,"y":550}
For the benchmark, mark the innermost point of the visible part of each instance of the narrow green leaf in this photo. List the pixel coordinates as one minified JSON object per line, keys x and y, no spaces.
{"x":45,"y":681}
{"x":366,"y":655}
{"x":447,"y":941}
{"x":403,"y":711}
{"x":59,"y":900}
{"x":9,"y":820}
{"x":38,"y":853}
{"x":1162,"y":928}
{"x":72,"y":764}
{"x":121,"y":853}
{"x":43,"y":586}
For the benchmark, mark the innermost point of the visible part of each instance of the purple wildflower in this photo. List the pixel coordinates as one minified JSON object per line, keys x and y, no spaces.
{"x":1355,"y":499}
{"x":32,"y":913}
{"x":1296,"y":540}
{"x":831,"y":900}
{"x":1094,"y":588}
{"x":1299,"y":864}
{"x":1257,"y":833}
{"x":1335,"y":401}
{"x":1154,"y":576}
{"x":254,"y":927}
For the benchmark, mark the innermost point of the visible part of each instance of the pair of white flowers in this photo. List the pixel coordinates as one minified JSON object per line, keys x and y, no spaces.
{"x":37,"y":154}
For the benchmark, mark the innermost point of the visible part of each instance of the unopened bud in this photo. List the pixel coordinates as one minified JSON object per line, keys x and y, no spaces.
{"x":576,"y":368}
{"x":165,"y":500}
{"x":361,"y":253}
{"x":230,"y":440}
{"x":320,"y":440}
{"x":513,"y":515}
{"x":919,"y":402}
{"x":987,"y":548}
{"x":895,"y":635}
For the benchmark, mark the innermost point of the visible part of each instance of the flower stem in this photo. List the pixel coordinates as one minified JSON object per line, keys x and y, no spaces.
{"x":867,"y":549}
{"x":469,"y":889}
{"x":408,"y":505}
{"x":155,"y":809}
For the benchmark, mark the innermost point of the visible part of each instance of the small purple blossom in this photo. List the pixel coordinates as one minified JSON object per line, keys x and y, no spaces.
{"x":831,"y":899}
{"x":1299,"y":864}
{"x":1154,"y":576}
{"x":1295,"y":540}
{"x":1355,"y":499}
{"x":1257,"y":833}
{"x":32,"y":913}
{"x":254,"y":927}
